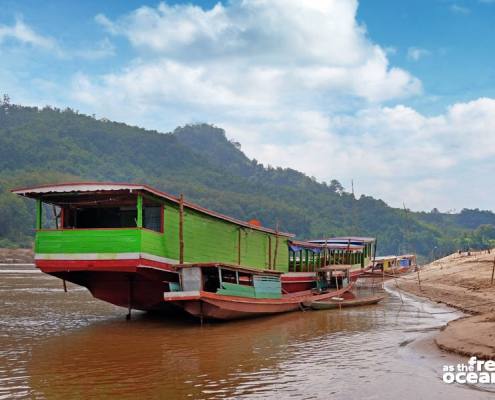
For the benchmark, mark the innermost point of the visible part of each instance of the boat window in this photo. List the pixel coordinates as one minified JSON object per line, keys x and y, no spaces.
{"x":229,"y":276}
{"x":211,"y":281}
{"x":152,"y":218}
{"x":100,"y":217}
{"x":52,"y":217}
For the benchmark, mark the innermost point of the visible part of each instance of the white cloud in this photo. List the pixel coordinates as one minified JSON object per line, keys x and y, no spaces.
{"x":285,"y":78}
{"x":391,"y":152}
{"x":298,"y":44}
{"x":102,"y":49}
{"x":416,"y":53}
{"x":24,"y":34}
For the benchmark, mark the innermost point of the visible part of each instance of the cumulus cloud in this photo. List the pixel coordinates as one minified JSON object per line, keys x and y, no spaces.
{"x":285,"y":78}
{"x":391,"y":152}
{"x":294,"y":45}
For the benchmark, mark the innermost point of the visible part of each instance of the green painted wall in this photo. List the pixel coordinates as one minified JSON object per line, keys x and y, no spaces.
{"x":206,"y":239}
{"x":88,"y":241}
{"x":153,"y":243}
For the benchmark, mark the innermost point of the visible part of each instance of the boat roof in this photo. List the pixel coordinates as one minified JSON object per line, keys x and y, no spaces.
{"x":37,"y":192}
{"x":407,"y":256}
{"x":332,"y":246}
{"x":231,"y":267}
{"x":359,"y":240}
{"x":385,"y":258}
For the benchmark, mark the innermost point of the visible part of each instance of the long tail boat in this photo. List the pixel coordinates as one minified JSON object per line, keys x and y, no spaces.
{"x":306,"y":257}
{"x":356,"y":251}
{"x":330,"y":304}
{"x":124,"y":242}
{"x":395,"y":264}
{"x":225,"y":292}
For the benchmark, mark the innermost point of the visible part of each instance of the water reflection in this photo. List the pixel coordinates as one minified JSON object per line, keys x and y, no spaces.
{"x":58,"y":345}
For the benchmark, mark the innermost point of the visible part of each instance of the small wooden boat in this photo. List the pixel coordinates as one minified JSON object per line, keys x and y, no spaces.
{"x":333,"y":303}
{"x":224,"y":292}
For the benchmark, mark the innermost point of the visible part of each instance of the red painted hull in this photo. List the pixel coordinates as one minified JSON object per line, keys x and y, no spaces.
{"x":293,"y":282}
{"x":137,"y":283}
{"x":220,"y":307}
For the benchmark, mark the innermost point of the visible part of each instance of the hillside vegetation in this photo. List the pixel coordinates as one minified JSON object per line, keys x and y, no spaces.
{"x":50,"y":145}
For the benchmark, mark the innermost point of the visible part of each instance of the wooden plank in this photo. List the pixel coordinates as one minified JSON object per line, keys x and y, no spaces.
{"x":181,"y":229}
{"x":39,"y":212}
{"x":139,"y":207}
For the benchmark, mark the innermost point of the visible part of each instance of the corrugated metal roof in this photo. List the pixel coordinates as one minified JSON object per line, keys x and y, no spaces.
{"x":345,"y":239}
{"x":385,"y":258}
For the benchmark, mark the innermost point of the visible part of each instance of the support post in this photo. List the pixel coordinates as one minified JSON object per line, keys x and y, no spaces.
{"x":276,"y":248}
{"x":269,"y":251}
{"x":139,"y":206}
{"x":129,"y":300}
{"x":374,"y":255}
{"x":419,"y":279}
{"x":493,"y":271}
{"x":181,"y":229}
{"x":239,"y":247}
{"x":39,"y":212}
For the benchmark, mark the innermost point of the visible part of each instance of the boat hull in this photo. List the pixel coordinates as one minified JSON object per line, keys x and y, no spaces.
{"x":206,"y":305}
{"x":126,"y":283}
{"x":331,"y":304}
{"x":293,"y":282}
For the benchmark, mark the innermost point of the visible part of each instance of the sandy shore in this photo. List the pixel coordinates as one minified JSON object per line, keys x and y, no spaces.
{"x":464,"y":282}
{"x":16,"y":256}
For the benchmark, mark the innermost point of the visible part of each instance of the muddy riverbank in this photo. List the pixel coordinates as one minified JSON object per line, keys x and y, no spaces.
{"x":16,"y":256}
{"x":463,"y":281}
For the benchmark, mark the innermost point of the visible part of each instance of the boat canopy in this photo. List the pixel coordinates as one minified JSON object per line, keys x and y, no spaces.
{"x":298,"y":245}
{"x":385,"y":258}
{"x":317,"y":247}
{"x":352,"y":240}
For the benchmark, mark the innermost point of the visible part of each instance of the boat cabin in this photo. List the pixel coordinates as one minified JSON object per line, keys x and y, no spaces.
{"x":334,"y":277}
{"x":385,"y":263}
{"x":352,"y":250}
{"x":112,"y":221}
{"x":407,"y":261}
{"x":228,"y":280}
{"x":400,"y":263}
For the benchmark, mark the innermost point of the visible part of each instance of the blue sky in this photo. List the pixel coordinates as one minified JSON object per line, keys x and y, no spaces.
{"x":397,"y":95}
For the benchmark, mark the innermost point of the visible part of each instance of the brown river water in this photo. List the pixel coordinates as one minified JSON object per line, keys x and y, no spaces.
{"x":58,"y":345}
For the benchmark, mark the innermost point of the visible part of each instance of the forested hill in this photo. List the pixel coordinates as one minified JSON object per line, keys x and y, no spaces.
{"x":50,"y":145}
